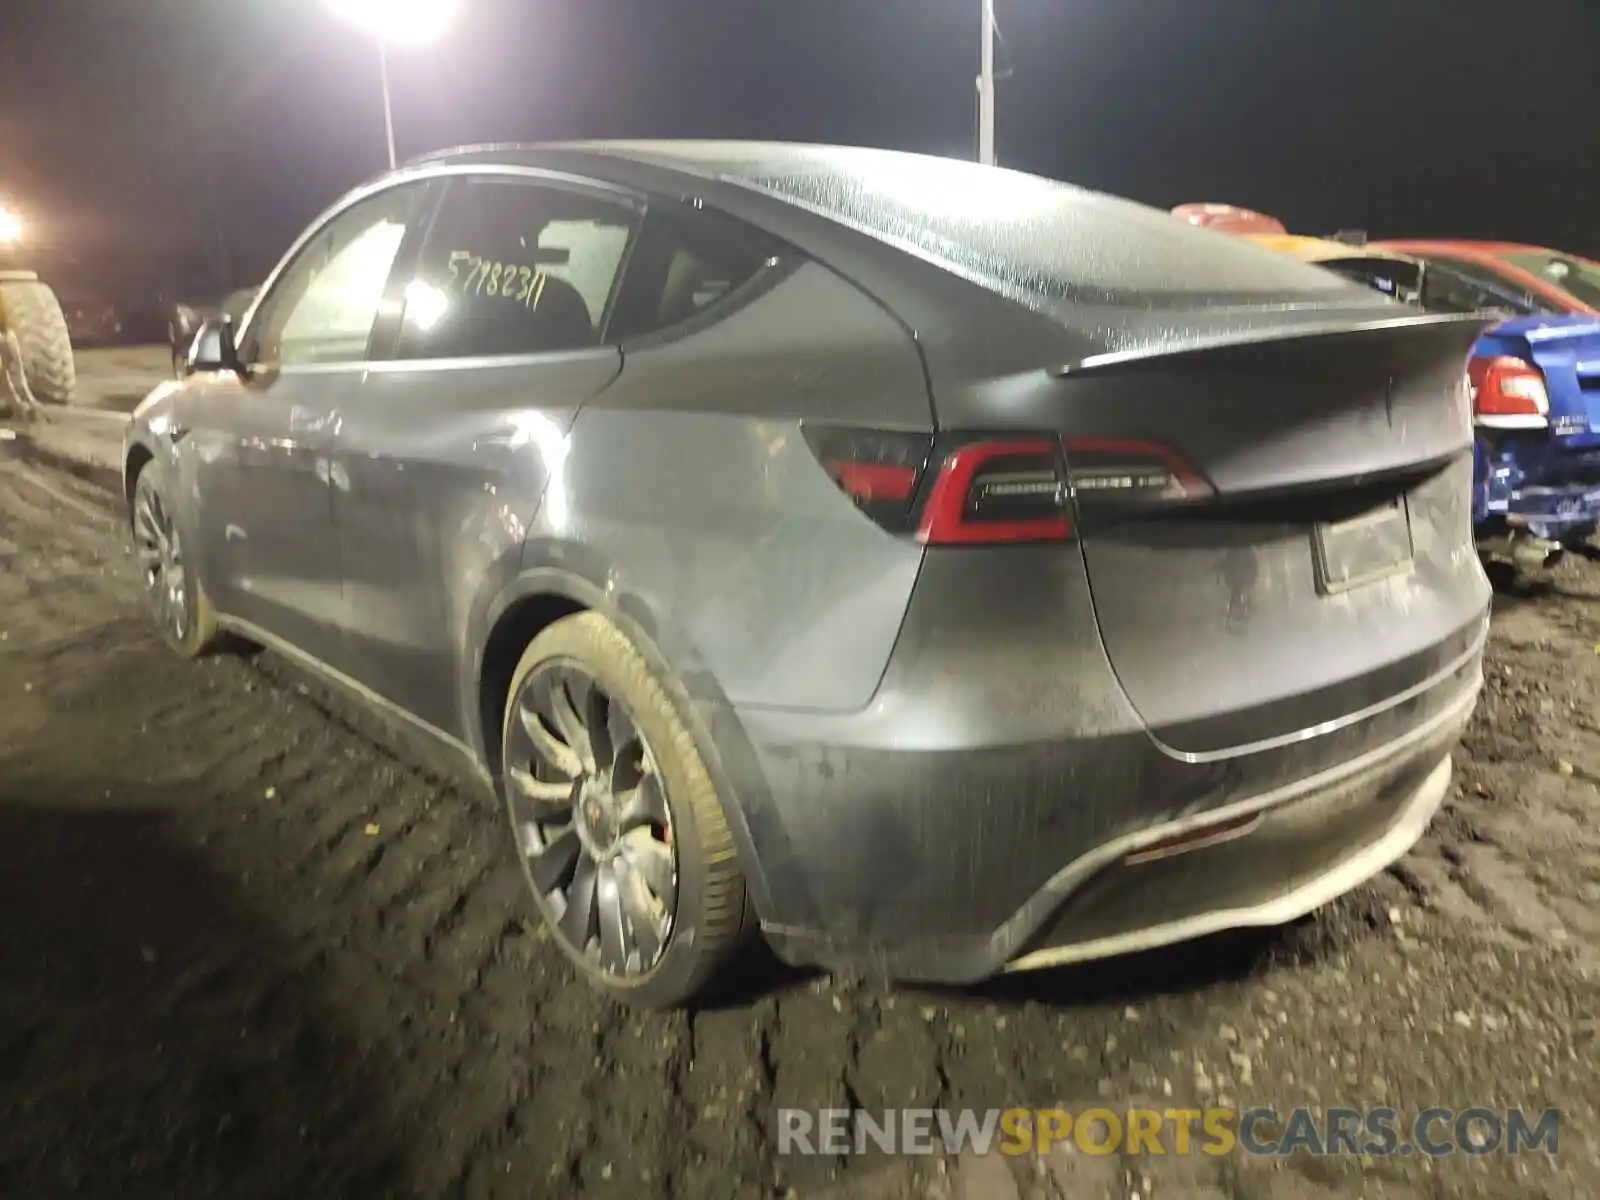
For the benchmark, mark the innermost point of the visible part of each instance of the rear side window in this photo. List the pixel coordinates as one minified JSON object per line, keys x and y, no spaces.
{"x":686,"y":263}
{"x":512,"y":267}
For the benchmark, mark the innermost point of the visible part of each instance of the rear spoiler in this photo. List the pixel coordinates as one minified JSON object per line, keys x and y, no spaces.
{"x":1442,"y":326}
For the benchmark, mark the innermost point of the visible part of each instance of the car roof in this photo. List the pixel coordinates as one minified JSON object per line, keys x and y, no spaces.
{"x":1036,"y":240}
{"x":733,"y":161}
{"x":965,"y":254}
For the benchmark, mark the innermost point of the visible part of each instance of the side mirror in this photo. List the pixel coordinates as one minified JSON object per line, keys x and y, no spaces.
{"x":213,"y":348}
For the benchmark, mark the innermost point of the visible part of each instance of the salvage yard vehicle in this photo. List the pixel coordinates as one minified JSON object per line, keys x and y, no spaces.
{"x":948,"y":570}
{"x":1534,"y":378}
{"x":1537,"y":382}
{"x":34,"y":314}
{"x":1398,"y":276}
{"x":1530,"y":277}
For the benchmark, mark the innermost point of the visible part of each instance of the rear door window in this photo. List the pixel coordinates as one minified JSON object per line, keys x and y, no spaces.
{"x":514,"y":267}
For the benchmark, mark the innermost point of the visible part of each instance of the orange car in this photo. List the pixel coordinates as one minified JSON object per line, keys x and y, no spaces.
{"x":1390,"y":271}
{"x":1522,"y":278}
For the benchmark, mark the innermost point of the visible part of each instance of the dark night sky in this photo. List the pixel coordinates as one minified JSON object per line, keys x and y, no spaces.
{"x":118,"y":118}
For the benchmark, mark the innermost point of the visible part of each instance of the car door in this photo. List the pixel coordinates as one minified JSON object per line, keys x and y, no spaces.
{"x":443,"y":455}
{"x":262,"y":437}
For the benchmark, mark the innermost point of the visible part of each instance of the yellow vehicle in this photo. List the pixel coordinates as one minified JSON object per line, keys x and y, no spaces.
{"x":31,"y":313}
{"x":1389,"y":271}
{"x":1398,"y":275}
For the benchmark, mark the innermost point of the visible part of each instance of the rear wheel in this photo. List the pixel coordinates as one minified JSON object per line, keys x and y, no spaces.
{"x":36,"y":318}
{"x":616,"y":820}
{"x":172,"y":591}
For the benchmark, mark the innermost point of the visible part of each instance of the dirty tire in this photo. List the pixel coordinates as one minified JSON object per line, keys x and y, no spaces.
{"x":709,"y":919}
{"x":41,"y":329}
{"x":201,"y":634}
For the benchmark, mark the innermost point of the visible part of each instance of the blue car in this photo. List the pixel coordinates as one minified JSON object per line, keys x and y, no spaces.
{"x":1535,"y":383}
{"x":1536,"y":401}
{"x":1534,"y":380}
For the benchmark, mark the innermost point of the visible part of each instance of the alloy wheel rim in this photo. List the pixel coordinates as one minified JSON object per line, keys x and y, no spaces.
{"x":161,"y":563}
{"x":589,"y":810}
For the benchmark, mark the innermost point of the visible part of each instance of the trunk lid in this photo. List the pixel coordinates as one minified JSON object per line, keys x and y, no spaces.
{"x":1566,"y":349}
{"x":1323,"y":562}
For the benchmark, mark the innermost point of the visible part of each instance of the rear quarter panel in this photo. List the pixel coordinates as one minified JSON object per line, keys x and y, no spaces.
{"x":690,"y":497}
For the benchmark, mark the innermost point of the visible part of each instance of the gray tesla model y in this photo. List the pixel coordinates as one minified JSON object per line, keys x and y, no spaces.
{"x":940,"y":569}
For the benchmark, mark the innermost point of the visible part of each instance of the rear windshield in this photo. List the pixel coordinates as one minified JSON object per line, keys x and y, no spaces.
{"x":1575,"y":276}
{"x":1033,"y":239}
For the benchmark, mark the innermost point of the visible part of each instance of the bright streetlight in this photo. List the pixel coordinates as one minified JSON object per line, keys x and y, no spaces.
{"x":405,"y":23}
{"x":10,"y":226}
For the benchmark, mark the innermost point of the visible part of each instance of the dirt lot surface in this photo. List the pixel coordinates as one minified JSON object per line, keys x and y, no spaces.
{"x":249,"y":951}
{"x":116,"y":378}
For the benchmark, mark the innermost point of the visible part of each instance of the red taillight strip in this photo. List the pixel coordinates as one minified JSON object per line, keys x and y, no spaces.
{"x":943,"y":516}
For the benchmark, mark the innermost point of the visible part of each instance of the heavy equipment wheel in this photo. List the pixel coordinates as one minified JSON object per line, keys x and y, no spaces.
{"x":41,"y":328}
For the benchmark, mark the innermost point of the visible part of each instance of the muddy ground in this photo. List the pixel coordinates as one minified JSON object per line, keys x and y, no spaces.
{"x":247,"y":950}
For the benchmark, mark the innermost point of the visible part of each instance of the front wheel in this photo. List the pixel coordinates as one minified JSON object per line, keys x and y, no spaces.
{"x":172,"y":591}
{"x":616,"y":820}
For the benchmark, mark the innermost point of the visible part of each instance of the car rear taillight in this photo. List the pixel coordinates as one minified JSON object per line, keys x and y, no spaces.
{"x":964,"y":490}
{"x":1011,"y":490}
{"x":879,"y":469}
{"x":950,"y":491}
{"x":1112,"y":472}
{"x":1508,"y":393}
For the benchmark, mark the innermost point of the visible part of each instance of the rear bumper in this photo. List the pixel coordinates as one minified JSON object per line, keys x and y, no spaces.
{"x":1551,"y":492}
{"x":1303,"y":852}
{"x":1308,"y":845}
{"x":979,"y":815}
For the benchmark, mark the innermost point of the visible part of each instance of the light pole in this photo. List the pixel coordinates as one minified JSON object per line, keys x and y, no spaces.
{"x":395,"y":22}
{"x":986,"y":86}
{"x":388,"y":106}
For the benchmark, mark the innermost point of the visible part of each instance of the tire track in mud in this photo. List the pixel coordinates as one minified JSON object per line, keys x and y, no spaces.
{"x":395,"y":996}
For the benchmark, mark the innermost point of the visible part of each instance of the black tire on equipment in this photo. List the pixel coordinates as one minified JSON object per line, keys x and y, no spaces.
{"x":41,"y":328}
{"x":710,"y":921}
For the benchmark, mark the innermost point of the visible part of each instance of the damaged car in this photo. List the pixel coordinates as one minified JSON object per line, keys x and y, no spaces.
{"x":1536,"y":386}
{"x":940,"y":570}
{"x":1534,"y":377}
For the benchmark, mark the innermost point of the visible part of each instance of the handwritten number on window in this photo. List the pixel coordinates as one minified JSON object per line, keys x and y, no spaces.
{"x":476,"y":276}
